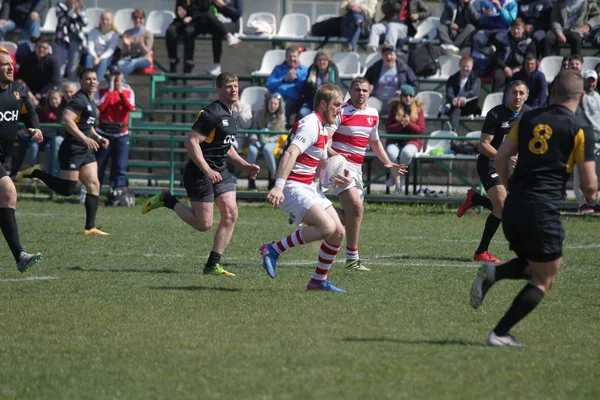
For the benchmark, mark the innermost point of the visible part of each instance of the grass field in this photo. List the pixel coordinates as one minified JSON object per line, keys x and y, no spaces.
{"x":131,"y":316}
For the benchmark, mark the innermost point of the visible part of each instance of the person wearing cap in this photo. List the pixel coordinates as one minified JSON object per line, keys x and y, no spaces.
{"x":535,"y":80}
{"x":590,"y":103}
{"x":406,"y":117}
{"x":386,"y":77}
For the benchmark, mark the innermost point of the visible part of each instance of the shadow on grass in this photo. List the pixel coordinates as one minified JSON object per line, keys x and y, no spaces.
{"x":195,"y":288}
{"x":144,"y":271}
{"x":448,"y":342}
{"x":420,"y":257}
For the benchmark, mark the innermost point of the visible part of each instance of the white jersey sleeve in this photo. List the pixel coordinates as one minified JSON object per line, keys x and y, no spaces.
{"x":306,"y":134}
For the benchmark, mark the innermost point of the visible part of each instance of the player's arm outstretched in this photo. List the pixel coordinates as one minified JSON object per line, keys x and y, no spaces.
{"x":233,"y":157}
{"x":30,"y":118}
{"x":192,"y":145}
{"x":288,"y":159}
{"x":379,"y":151}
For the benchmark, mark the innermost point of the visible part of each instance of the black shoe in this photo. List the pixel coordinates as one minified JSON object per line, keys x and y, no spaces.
{"x":188,"y":67}
{"x":251,"y":184}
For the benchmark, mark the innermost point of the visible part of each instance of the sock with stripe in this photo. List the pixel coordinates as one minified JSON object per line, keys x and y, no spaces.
{"x":293,"y":240}
{"x":327,"y":254}
{"x":351,"y":254}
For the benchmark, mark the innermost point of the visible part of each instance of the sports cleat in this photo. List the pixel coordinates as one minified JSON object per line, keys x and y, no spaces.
{"x":503,"y":341}
{"x":155,"y":202}
{"x":486,"y":257}
{"x":355,"y":265}
{"x":27,"y":260}
{"x":482,"y":283}
{"x":323,"y":285}
{"x":26,"y":173}
{"x":586,"y":208}
{"x":95,"y":232}
{"x":468,"y":203}
{"x":217,"y":270}
{"x":270,"y":256}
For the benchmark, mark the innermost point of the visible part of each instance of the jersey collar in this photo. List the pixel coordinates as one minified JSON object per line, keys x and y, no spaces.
{"x":350,"y":103}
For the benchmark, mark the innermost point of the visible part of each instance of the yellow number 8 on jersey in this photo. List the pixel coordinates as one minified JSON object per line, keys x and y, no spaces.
{"x":539,"y":143}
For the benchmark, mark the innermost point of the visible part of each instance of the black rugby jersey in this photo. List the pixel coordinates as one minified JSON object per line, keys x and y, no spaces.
{"x":14,"y":107}
{"x":86,"y":111}
{"x":219,"y":126}
{"x":498,"y":122}
{"x":551,"y":141}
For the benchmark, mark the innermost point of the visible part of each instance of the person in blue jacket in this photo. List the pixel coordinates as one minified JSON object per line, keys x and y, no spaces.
{"x":535,"y":80}
{"x":496,"y":17}
{"x":288,"y":79}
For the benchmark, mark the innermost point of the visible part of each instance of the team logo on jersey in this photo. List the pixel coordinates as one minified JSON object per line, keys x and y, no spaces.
{"x":89,"y":107}
{"x":370,"y":120}
{"x":225,"y":122}
{"x":17,"y":95}
{"x":506,"y":124}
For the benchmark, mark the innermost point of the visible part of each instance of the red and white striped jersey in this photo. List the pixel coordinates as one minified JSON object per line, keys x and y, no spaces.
{"x":311,"y":137}
{"x":353,"y":129}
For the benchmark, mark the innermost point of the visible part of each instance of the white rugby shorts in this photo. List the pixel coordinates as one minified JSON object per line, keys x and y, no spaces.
{"x":299,"y":198}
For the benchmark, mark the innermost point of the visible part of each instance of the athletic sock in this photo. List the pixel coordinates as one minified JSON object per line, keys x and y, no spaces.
{"x":213,"y":260}
{"x":170,"y":200}
{"x":351,"y":254}
{"x":61,"y":186}
{"x":293,"y":240}
{"x":91,"y":209}
{"x":524,"y":303}
{"x":483,"y":201}
{"x":327,"y":254}
{"x":491,"y":226}
{"x":516,"y":268}
{"x":8,"y":223}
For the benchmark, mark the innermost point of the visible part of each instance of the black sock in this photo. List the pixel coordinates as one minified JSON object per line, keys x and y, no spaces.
{"x":524,"y":303}
{"x":61,"y":186}
{"x":213,"y":259}
{"x":8,"y":223}
{"x":491,"y":226}
{"x":516,"y":268}
{"x":483,"y":201}
{"x":170,"y":200}
{"x":91,"y":209}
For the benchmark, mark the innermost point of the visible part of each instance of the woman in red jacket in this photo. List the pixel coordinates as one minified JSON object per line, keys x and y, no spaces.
{"x":406,"y":117}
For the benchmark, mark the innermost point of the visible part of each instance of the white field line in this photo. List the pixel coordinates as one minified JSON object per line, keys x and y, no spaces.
{"x":31,"y":278}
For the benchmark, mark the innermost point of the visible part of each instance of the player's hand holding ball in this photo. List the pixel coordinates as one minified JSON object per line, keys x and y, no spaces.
{"x":36,"y":135}
{"x":342,"y":180}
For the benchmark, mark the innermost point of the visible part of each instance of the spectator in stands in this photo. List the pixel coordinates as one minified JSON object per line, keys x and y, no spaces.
{"x":242,"y":113}
{"x":399,"y":22}
{"x":496,"y":17}
{"x":115,"y":101}
{"x":270,"y":118}
{"x":462,"y":92}
{"x":21,"y":14}
{"x":458,"y":24}
{"x":511,"y":50}
{"x":358,"y":15}
{"x":386,"y":78}
{"x":288,"y":79}
{"x":322,"y":71}
{"x":230,"y":12}
{"x":102,"y":43}
{"x":570,"y":21}
{"x":591,"y":109}
{"x":39,"y":69}
{"x":535,"y":80}
{"x":193,"y":17}
{"x":576,"y":63}
{"x":70,"y":39}
{"x":136,"y":45}
{"x":406,"y":117}
{"x":536,"y":15}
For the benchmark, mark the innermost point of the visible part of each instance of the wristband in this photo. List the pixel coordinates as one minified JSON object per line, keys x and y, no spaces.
{"x":98,"y":139}
{"x":280,"y":183}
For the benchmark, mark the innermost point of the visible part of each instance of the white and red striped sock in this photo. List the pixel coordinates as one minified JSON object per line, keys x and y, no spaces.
{"x":351,"y":254}
{"x":327,"y":254}
{"x":293,"y":240}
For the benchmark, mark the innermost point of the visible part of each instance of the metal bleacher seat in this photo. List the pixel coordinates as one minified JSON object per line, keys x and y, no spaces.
{"x":293,"y":26}
{"x":550,"y":66}
{"x":348,"y":64}
{"x":158,"y":22}
{"x":93,"y":15}
{"x":254,"y":96}
{"x":432,"y":102}
{"x":491,"y":101}
{"x":307,"y":57}
{"x":590,"y":62}
{"x":122,"y":19}
{"x":270,"y":59}
{"x":427,"y":31}
{"x":449,"y":65}
{"x":50,"y":21}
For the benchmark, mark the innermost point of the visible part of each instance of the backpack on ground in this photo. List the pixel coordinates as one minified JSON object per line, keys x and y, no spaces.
{"x":424,"y":60}
{"x":329,"y":28}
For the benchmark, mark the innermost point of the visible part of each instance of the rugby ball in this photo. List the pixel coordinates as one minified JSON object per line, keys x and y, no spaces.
{"x":335,"y":165}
